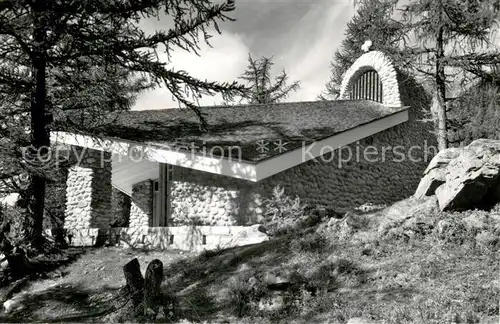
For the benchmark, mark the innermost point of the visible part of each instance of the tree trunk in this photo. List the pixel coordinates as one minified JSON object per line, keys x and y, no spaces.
{"x":152,"y":292}
{"x":440,"y":94}
{"x":40,"y":139}
{"x":135,"y":281}
{"x":18,"y":264}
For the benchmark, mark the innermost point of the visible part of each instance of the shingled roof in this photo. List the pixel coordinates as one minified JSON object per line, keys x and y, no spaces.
{"x":245,"y":126}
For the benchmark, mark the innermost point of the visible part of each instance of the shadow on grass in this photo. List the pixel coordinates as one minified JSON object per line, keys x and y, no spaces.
{"x":197,"y":306}
{"x":189,"y":278}
{"x":63,"y":303}
{"x":208,"y":267}
{"x":42,"y":266}
{"x":343,"y":278}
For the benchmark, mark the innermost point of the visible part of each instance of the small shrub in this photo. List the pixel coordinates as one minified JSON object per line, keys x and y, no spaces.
{"x":282,"y":213}
{"x":395,"y":234}
{"x":55,"y":204}
{"x":207,"y":254}
{"x":304,"y":303}
{"x":323,"y":277}
{"x":189,"y":269}
{"x":245,"y":290}
{"x":299,"y":262}
{"x":488,"y":241}
{"x":475,"y":228}
{"x":316,"y":242}
{"x":495,"y":208}
{"x":301,"y":303}
{"x":428,"y":269}
{"x":452,"y":230}
{"x":14,"y":216}
{"x":317,"y":274}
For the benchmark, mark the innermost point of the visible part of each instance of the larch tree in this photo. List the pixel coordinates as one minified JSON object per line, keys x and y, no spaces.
{"x":474,"y":113}
{"x":261,"y":88}
{"x":451,"y":37}
{"x":373,"y":21}
{"x":66,"y":58}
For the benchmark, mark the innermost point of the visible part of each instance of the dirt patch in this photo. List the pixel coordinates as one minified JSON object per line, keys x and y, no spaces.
{"x":84,"y":289}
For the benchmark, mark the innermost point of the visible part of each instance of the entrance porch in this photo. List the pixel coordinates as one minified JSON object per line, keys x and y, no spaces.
{"x":168,"y":207}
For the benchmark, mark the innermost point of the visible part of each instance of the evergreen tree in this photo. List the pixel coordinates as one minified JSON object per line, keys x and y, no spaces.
{"x":452,"y":36}
{"x":73,"y":55}
{"x":373,"y":21}
{"x":474,"y":114}
{"x":260,"y":86}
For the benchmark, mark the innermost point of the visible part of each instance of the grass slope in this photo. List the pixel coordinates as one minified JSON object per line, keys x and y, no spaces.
{"x":405,"y":264}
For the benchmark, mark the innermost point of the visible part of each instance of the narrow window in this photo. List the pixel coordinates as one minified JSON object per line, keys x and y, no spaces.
{"x":170,"y":171}
{"x":367,"y":86}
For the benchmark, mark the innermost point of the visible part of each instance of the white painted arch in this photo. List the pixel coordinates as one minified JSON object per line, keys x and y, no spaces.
{"x":378,"y":61}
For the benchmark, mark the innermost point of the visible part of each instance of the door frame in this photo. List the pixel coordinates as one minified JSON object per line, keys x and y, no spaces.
{"x":161,"y":214}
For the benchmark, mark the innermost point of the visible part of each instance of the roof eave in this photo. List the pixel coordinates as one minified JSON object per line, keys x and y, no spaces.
{"x":312,"y":151}
{"x":247,"y":170}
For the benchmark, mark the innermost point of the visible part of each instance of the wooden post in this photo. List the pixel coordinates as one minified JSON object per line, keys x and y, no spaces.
{"x":135,"y":281}
{"x":152,"y":283}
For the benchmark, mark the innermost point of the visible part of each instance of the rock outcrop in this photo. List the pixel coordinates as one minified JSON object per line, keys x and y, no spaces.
{"x":435,"y":174}
{"x":464,"y":178}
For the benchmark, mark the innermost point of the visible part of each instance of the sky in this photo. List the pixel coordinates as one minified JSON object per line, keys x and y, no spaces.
{"x":300,"y":35}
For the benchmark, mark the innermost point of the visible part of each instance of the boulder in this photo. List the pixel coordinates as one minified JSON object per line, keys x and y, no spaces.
{"x":464,"y":178}
{"x":478,"y":146}
{"x":405,"y":210}
{"x":472,"y":180}
{"x":435,"y":173}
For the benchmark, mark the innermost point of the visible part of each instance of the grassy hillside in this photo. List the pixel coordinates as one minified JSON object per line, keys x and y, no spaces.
{"x":404,"y":264}
{"x":407,"y":263}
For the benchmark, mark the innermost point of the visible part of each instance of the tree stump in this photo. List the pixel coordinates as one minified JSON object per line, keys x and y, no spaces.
{"x":135,"y":281}
{"x":152,"y":293}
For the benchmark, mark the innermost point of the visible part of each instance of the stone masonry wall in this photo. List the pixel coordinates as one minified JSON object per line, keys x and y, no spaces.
{"x":141,"y":209}
{"x":209,"y":199}
{"x":88,"y":191}
{"x":202,"y":198}
{"x":120,"y":206}
{"x":392,"y":177}
{"x":383,"y":177}
{"x":378,"y":61}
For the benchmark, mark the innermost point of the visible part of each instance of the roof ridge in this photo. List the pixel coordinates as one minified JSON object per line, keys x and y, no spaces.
{"x":268,"y":104}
